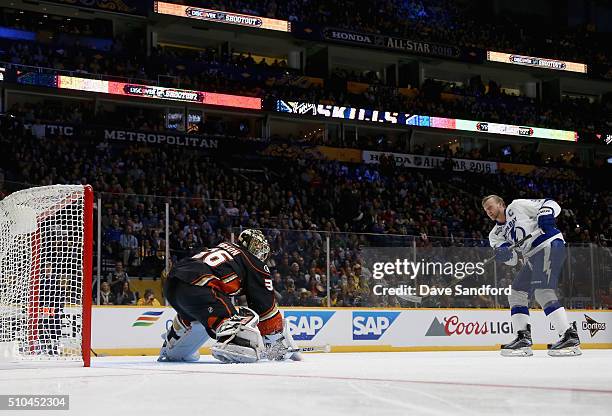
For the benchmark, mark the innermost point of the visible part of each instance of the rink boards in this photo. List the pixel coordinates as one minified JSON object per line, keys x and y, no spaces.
{"x":137,"y":330}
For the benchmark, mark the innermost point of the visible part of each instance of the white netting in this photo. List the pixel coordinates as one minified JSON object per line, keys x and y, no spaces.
{"x":41,"y":273}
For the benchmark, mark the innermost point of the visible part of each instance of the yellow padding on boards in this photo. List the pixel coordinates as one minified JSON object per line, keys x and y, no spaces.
{"x":353,"y":348}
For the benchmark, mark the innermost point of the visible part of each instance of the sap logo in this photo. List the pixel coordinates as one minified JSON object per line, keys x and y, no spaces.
{"x":372,"y":325}
{"x":305,"y":325}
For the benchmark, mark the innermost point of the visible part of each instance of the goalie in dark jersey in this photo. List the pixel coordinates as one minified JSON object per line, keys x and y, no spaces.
{"x":199,"y":289}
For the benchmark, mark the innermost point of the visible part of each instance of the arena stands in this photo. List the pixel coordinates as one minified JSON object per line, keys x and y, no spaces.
{"x":237,"y":72}
{"x":279,"y":181}
{"x":298,"y":204}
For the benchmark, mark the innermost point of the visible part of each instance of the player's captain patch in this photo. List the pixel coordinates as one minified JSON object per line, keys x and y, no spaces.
{"x":148,"y":318}
{"x":372,"y":325}
{"x":305,"y":325}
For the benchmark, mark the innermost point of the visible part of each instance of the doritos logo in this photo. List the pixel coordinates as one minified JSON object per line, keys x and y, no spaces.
{"x":591,"y":325}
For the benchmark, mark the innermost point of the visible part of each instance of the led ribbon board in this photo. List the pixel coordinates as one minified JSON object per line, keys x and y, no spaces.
{"x":159,"y":93}
{"x":536,"y":62}
{"x":397,"y":118}
{"x":219,"y":16}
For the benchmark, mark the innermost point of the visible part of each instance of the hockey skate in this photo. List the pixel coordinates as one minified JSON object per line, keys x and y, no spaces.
{"x":521,"y":346}
{"x":568,"y":345}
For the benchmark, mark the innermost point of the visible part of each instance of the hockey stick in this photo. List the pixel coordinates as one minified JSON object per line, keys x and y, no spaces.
{"x":515,"y":245}
{"x":319,"y":348}
{"x":273,"y":354}
{"x":419,"y":299}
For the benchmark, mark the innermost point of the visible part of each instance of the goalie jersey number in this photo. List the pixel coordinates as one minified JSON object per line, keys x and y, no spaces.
{"x":214,"y":257}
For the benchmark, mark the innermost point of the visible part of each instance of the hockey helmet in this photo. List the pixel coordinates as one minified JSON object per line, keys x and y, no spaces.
{"x":255,"y":242}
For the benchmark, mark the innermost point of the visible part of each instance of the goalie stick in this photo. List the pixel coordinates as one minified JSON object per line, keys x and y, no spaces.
{"x":420,"y":299}
{"x":318,"y":348}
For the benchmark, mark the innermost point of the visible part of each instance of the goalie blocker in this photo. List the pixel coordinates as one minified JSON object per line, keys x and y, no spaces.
{"x":199,"y":289}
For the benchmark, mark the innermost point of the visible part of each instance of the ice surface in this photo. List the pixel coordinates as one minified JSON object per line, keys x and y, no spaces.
{"x":413,"y":383}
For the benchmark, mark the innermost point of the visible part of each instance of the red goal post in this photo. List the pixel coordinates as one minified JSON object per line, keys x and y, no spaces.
{"x":46,"y":252}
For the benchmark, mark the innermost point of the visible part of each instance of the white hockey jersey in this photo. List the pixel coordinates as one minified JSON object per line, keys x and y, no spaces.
{"x":521,"y":220}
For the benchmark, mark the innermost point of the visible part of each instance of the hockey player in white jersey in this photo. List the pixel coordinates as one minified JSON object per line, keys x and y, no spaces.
{"x":542,"y":256}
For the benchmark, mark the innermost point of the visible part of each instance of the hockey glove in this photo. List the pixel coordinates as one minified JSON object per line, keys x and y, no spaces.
{"x":503,"y":253}
{"x":546,"y":219}
{"x":280,"y":346}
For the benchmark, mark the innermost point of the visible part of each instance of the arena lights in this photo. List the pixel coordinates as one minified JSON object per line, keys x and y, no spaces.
{"x":535,"y":62}
{"x":219,"y":16}
{"x":390,"y":117}
{"x":159,"y":93}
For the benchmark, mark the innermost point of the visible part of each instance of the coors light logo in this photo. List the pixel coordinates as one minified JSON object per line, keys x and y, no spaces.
{"x":453,"y":326}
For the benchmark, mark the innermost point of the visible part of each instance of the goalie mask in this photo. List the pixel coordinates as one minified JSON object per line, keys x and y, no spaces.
{"x":255,"y":242}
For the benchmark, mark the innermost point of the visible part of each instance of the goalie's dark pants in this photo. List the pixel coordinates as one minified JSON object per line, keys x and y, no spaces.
{"x":205,"y":304}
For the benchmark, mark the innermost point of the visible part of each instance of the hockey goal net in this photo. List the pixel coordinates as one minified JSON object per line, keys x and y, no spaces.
{"x":45,"y":274}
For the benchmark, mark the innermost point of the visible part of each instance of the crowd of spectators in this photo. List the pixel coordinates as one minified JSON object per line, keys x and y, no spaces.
{"x":460,"y":23}
{"x":236,"y":72}
{"x":297,"y":202}
{"x":47,"y":22}
{"x":84,"y":113}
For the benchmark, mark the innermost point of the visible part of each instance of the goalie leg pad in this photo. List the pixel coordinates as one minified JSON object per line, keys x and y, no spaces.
{"x":238,"y":338}
{"x":182,"y":341}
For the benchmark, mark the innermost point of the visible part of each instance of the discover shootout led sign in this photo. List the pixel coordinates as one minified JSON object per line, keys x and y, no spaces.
{"x":391,"y":117}
{"x":159,"y":93}
{"x":536,"y":62}
{"x":219,"y":16}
